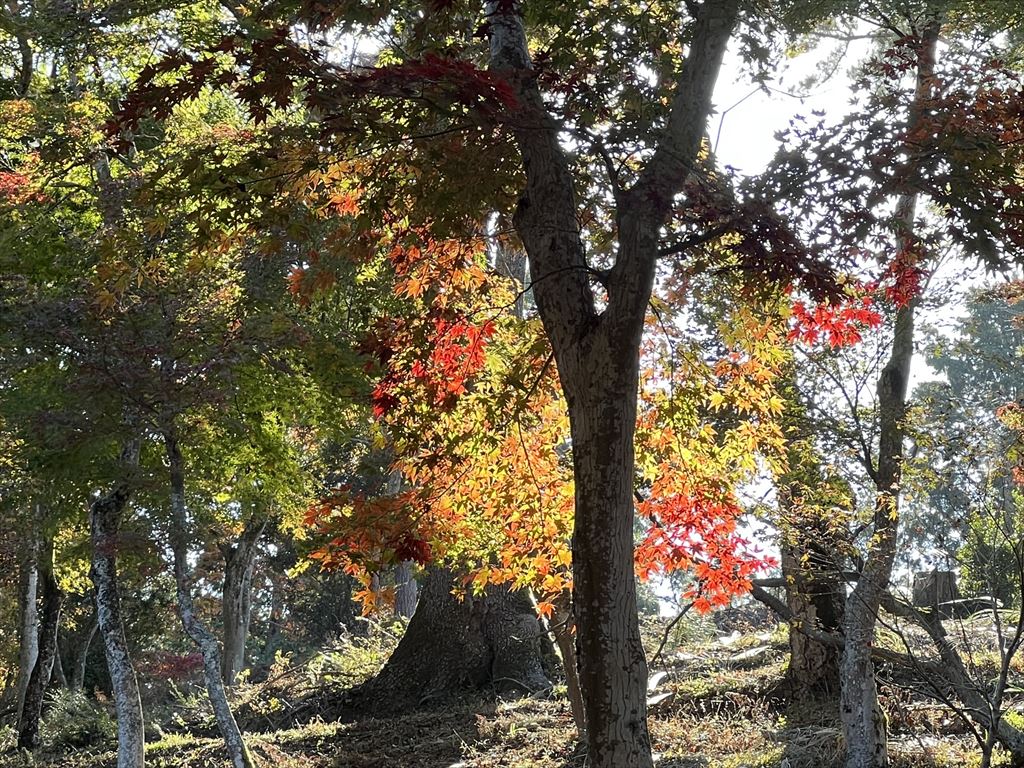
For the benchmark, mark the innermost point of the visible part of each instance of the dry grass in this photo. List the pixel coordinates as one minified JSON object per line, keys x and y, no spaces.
{"x":725,"y":711}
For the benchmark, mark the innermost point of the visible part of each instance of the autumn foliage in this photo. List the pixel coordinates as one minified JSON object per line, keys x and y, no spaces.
{"x":470,"y":402}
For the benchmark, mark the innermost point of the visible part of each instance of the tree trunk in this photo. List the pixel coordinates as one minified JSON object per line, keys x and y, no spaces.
{"x":863,"y":721}
{"x":204,"y":640}
{"x":105,"y":514}
{"x":273,"y":634}
{"x":816,"y":596}
{"x":236,"y":603}
{"x":453,"y":645}
{"x":57,"y":676}
{"x":813,"y":552}
{"x":53,"y":601}
{"x":612,"y":663}
{"x":405,"y":590}
{"x":597,"y":354}
{"x":28,"y":621}
{"x":563,"y":631}
{"x":82,"y":659}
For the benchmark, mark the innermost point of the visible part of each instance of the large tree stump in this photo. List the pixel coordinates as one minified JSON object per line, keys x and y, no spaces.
{"x":458,"y":643}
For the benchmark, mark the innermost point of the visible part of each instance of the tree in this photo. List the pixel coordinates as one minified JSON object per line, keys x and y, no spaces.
{"x":635,"y":153}
{"x":932,"y":161}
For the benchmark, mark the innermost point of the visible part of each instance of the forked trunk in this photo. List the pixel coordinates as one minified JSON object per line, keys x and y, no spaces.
{"x":863,"y":722}
{"x":105,"y":514}
{"x":53,"y":601}
{"x":597,"y":352}
{"x":28,"y":621}
{"x":236,"y":601}
{"x":204,"y":640}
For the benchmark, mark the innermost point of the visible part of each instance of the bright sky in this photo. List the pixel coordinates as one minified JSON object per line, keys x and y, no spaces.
{"x":748,"y":118}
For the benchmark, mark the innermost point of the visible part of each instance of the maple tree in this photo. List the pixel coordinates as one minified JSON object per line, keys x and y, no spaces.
{"x":488,"y":475}
{"x":375,"y":196}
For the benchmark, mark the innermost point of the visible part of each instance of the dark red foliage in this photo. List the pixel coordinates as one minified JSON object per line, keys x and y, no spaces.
{"x":264,"y":72}
{"x":167,"y":665}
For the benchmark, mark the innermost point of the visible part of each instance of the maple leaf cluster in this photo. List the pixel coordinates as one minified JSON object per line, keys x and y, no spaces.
{"x":16,"y":189}
{"x":840,"y":325}
{"x":433,"y":358}
{"x":695,"y":531}
{"x":271,"y":70}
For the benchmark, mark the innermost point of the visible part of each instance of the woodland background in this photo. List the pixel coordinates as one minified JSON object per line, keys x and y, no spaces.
{"x":411,"y":384}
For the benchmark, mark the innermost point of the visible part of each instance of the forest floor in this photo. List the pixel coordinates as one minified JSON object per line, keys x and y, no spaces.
{"x":716,"y":706}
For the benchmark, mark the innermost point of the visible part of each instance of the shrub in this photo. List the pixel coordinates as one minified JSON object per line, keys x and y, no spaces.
{"x":74,"y":720}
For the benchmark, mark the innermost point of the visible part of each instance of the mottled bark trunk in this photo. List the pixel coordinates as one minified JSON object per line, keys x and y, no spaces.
{"x":815,"y":596}
{"x":28,"y":621}
{"x":105,"y":514}
{"x":863,"y":722}
{"x":611,"y":659}
{"x":459,"y":643}
{"x":52,"y":603}
{"x":406,"y":590}
{"x":236,"y":601}
{"x":209,"y":649}
{"x":82,"y":658}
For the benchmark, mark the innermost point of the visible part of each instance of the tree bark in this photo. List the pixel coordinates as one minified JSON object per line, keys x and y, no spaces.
{"x":57,"y":676}
{"x":816,"y":598}
{"x":236,"y":604}
{"x":82,"y":658}
{"x":947,"y":677}
{"x":563,"y":631}
{"x":276,"y":616}
{"x":459,"y":643}
{"x":862,"y":720}
{"x":406,"y":590}
{"x":52,"y":602}
{"x":238,"y":751}
{"x":105,"y":515}
{"x":597,"y":356}
{"x":28,"y":621}
{"x":813,"y":553}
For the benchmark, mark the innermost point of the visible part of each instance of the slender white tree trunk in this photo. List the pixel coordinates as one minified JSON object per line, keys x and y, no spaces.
{"x":28,"y":621}
{"x":204,"y":640}
{"x":53,"y":601}
{"x":105,"y":514}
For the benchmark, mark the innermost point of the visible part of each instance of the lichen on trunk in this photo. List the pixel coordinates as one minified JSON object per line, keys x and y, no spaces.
{"x":209,"y":648}
{"x":105,"y":515}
